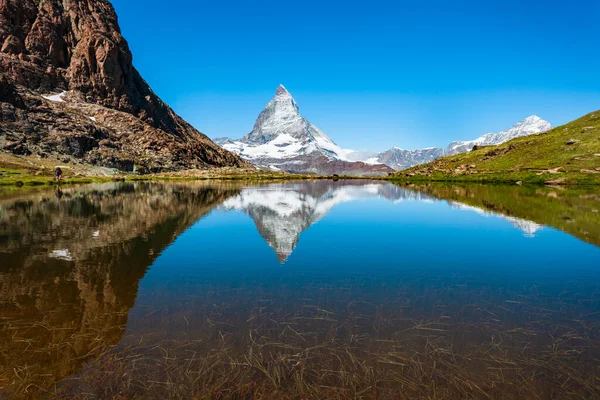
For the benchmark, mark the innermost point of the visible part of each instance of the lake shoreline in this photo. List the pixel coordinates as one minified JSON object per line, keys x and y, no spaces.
{"x":27,"y":171}
{"x":21,"y":178}
{"x":504,"y":178}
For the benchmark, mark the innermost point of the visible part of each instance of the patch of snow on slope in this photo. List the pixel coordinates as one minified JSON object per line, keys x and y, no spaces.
{"x":58,"y":98}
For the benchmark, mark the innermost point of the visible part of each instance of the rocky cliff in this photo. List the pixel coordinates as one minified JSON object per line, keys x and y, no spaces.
{"x":68,"y":88}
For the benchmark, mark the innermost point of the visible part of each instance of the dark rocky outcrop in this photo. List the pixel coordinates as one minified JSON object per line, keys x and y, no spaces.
{"x":75,"y":46}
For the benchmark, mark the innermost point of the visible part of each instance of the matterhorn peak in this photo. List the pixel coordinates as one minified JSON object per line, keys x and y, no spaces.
{"x":282,"y":91}
{"x":282,"y":139}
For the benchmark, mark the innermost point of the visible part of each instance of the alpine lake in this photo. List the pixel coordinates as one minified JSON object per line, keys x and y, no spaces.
{"x":301,"y":290}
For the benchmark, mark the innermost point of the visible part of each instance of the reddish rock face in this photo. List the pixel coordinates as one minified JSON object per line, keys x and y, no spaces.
{"x":76,"y":45}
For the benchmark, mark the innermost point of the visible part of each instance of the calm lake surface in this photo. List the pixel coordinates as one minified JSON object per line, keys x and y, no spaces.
{"x":320,"y":289}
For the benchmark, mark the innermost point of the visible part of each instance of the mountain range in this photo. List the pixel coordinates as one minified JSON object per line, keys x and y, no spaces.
{"x":69,"y":92}
{"x":283,"y":140}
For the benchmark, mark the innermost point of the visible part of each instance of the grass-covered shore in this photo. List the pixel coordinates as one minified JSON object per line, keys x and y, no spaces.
{"x":30,"y":171}
{"x":22,"y":178}
{"x":508,"y":177}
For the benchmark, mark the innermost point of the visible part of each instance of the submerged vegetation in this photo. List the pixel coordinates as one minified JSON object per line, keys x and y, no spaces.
{"x":422,"y":339}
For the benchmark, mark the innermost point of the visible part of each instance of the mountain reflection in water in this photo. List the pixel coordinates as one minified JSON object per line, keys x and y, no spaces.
{"x":121,"y":285}
{"x":282,"y":212}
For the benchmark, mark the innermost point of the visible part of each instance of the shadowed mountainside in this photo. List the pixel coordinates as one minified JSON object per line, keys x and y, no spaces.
{"x":68,"y":89}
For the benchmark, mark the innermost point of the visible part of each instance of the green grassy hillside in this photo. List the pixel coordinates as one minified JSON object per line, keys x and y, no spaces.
{"x":569,"y":154}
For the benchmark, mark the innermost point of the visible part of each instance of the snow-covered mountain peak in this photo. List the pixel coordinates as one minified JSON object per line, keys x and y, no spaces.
{"x":280,"y":132}
{"x":282,"y":92}
{"x":533,"y":123}
{"x":532,"y":118}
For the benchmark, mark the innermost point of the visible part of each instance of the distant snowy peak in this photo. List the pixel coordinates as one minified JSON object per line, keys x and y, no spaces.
{"x":529,"y":126}
{"x":280,"y":132}
{"x":400,"y":159}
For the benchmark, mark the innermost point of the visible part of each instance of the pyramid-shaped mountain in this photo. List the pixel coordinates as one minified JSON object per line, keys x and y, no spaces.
{"x":284,"y":140}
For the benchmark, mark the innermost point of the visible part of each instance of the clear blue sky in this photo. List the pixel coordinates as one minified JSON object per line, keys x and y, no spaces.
{"x":371,"y":74}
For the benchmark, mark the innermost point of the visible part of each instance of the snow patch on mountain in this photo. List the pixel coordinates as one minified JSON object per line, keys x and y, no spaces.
{"x":57,"y":98}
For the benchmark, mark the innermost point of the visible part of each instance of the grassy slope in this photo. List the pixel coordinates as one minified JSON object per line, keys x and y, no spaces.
{"x":543,"y":158}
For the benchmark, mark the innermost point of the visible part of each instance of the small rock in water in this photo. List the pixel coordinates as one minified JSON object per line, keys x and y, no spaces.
{"x":519,"y":183}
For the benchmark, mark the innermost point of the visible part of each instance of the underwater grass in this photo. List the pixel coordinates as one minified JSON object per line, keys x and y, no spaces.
{"x":423,"y":340}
